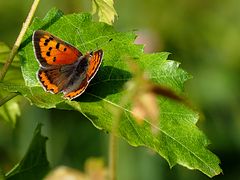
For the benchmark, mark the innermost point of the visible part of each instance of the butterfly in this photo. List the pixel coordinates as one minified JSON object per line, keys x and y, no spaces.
{"x":63,"y":68}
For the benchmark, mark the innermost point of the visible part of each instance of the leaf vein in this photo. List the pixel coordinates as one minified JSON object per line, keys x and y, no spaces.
{"x":158,"y":128}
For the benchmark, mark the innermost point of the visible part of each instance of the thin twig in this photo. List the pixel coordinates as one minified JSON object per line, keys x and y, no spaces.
{"x":7,"y":98}
{"x":113,"y":142}
{"x":113,"y":139}
{"x":19,"y":39}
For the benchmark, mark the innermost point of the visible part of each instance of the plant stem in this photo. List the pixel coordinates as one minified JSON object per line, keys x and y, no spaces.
{"x":19,"y":39}
{"x":113,"y":139}
{"x":7,"y":98}
{"x":113,"y":142}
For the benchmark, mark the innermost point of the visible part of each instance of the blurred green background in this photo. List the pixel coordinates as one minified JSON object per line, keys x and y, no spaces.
{"x":203,"y":35}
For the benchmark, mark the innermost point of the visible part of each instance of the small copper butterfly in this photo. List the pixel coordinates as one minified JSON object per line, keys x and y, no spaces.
{"x":63,"y":68}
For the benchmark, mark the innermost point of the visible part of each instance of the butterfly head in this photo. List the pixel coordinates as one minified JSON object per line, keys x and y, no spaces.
{"x":89,"y":54}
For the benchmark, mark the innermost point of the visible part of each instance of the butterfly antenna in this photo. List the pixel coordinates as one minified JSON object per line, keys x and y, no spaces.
{"x":81,"y":39}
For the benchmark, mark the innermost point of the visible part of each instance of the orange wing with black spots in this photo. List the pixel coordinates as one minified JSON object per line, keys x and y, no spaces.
{"x":51,"y":50}
{"x":94,"y":64}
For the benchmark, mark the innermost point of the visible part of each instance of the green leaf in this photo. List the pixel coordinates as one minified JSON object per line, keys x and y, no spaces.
{"x":9,"y":111}
{"x":105,"y":10}
{"x":14,"y":73}
{"x":34,"y":165}
{"x":175,"y":124}
{"x":4,"y":52}
{"x":179,"y":140}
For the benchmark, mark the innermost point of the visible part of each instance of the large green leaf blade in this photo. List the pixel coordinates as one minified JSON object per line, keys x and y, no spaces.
{"x":179,"y":140}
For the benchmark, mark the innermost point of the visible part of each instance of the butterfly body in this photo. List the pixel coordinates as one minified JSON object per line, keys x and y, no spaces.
{"x":63,"y":68}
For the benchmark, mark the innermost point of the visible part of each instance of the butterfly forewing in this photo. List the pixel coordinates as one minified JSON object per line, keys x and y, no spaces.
{"x":51,"y":50}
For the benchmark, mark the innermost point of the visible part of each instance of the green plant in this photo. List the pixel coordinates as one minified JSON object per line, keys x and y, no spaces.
{"x":122,"y":87}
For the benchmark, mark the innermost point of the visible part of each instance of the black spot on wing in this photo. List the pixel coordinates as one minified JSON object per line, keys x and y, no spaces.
{"x":57,"y":45}
{"x":47,"y":40}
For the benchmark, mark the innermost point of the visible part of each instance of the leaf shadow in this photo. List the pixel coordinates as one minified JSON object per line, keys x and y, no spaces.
{"x":102,"y":86}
